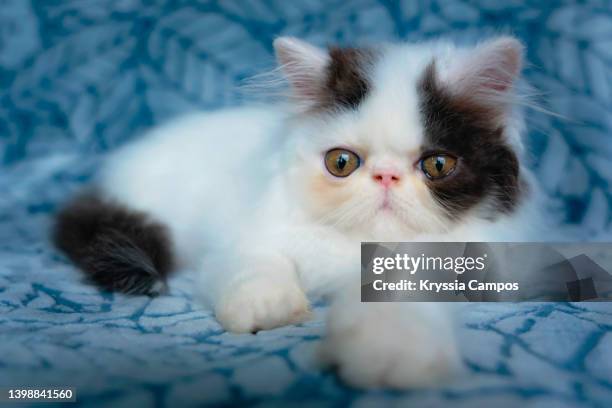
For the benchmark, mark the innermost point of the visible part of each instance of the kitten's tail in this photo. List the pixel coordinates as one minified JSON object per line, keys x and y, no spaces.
{"x":117,"y":248}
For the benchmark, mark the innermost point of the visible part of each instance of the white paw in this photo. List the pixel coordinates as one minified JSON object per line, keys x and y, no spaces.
{"x":376,"y":349}
{"x":262,"y":303}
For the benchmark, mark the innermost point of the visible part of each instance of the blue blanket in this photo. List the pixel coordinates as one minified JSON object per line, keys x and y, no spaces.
{"x":80,"y":78}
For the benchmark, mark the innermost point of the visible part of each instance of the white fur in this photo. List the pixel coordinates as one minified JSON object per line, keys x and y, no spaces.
{"x":398,"y":345}
{"x":232,"y":186}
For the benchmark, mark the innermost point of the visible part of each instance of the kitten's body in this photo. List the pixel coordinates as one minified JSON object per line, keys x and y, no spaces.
{"x":211,"y":191}
{"x":247,"y":201}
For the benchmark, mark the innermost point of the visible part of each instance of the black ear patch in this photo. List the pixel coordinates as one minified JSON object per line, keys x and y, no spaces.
{"x":347,"y":80}
{"x":117,"y":248}
{"x":488,"y":169}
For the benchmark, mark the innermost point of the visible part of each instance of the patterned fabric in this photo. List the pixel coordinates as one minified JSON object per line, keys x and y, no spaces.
{"x":79,"y":78}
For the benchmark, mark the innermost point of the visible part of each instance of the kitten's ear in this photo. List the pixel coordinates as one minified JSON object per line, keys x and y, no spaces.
{"x":490,"y":69}
{"x":304,"y":66}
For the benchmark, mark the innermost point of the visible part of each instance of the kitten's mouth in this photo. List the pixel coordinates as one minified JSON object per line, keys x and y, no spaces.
{"x":386,"y":203}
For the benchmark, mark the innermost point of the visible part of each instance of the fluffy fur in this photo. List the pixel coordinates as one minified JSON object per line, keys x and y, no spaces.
{"x":248,"y":203}
{"x":117,"y":248}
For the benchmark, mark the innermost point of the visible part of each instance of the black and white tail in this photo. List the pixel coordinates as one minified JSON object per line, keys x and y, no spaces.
{"x":117,"y":248}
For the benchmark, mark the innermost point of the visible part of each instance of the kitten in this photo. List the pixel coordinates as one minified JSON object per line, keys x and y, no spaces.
{"x":270,"y":203}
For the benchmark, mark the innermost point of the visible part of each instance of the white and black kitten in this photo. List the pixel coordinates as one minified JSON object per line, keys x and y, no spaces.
{"x":269,"y":204}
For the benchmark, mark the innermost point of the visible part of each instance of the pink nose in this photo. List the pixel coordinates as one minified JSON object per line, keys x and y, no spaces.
{"x":387,"y":178}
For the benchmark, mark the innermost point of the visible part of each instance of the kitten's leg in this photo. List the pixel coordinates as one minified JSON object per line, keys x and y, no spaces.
{"x":261,"y":292}
{"x":396,"y":345}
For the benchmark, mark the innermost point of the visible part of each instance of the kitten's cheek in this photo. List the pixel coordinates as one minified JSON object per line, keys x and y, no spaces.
{"x":323,"y":194}
{"x":416,"y":186}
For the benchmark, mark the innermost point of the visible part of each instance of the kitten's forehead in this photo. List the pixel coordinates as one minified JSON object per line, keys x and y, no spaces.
{"x":387,"y":117}
{"x":392,"y":109}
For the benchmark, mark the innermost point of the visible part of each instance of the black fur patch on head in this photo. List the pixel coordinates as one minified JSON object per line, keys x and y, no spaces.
{"x":118,"y":249}
{"x":487,"y":167}
{"x":347,"y":82}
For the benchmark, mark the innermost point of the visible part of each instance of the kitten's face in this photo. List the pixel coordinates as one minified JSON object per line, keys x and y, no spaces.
{"x":402,"y":141}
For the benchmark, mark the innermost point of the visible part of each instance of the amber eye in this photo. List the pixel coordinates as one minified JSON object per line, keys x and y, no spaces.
{"x":341,"y":162}
{"x":438,"y":165}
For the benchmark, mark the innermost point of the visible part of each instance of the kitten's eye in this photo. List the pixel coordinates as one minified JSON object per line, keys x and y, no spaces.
{"x":341,"y":162}
{"x":438,"y":165}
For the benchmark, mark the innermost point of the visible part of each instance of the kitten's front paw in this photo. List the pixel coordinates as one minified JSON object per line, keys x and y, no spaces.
{"x":262,"y":303}
{"x":378,"y":350}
